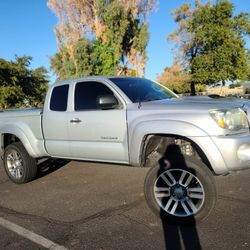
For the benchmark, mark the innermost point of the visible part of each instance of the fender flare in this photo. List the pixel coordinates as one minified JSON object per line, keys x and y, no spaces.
{"x":175,"y":128}
{"x":21,"y":135}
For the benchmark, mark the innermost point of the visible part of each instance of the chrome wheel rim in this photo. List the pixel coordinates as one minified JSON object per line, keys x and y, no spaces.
{"x":14,"y":164}
{"x":179,"y":193}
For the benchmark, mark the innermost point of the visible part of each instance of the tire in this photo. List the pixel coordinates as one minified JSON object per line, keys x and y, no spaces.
{"x":18,"y":164}
{"x":180,"y":191}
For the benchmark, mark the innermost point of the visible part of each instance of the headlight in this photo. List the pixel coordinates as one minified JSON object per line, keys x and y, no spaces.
{"x":231,"y":119}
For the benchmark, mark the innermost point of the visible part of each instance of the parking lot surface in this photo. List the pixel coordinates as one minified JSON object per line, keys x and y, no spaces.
{"x":78,"y":205}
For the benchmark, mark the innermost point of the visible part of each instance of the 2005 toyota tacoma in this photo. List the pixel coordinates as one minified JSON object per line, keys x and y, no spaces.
{"x":137,"y":122}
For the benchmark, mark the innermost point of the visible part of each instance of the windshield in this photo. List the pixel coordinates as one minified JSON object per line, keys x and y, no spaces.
{"x":142,"y":90}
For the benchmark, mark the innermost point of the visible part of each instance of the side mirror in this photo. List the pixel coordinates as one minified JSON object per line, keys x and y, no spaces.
{"x":106,"y":102}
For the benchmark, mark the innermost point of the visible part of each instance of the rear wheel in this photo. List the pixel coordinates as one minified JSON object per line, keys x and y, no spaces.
{"x":181,"y":191}
{"x":18,"y":164}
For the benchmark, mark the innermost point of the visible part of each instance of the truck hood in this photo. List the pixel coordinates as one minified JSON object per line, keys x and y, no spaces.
{"x":228,"y":102}
{"x":216,"y":100}
{"x":185,"y":110}
{"x":194,"y":104}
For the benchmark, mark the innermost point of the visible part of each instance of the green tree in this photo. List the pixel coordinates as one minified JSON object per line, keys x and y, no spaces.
{"x":176,"y":79}
{"x":91,"y":58}
{"x":222,"y":54}
{"x":116,"y":29}
{"x":248,"y":59}
{"x":103,"y":59}
{"x":211,"y":41}
{"x":19,"y":85}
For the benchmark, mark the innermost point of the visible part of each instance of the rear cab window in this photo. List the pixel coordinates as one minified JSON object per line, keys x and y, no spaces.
{"x":59,"y":98}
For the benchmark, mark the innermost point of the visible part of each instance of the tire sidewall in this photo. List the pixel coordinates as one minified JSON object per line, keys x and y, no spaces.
{"x":201,"y":172}
{"x":27,"y":161}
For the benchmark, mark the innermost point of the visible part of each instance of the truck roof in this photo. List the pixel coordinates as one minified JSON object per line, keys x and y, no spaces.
{"x":79,"y":79}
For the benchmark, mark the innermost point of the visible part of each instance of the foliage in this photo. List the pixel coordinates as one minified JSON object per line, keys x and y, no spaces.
{"x":117,"y":28}
{"x":211,"y":42}
{"x":91,"y":58}
{"x":21,"y":86}
{"x":185,"y":46}
{"x":103,"y":59}
{"x":176,"y":79}
{"x":222,"y":55}
{"x":235,"y":85}
{"x":248,"y":59}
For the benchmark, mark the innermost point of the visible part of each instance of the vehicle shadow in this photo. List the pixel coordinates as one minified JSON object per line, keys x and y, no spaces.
{"x":48,"y":166}
{"x":177,"y":236}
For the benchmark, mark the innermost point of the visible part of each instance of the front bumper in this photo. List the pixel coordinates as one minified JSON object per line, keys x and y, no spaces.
{"x":235,"y":150}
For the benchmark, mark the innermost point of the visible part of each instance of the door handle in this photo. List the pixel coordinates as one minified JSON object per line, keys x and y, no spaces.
{"x":75,"y":120}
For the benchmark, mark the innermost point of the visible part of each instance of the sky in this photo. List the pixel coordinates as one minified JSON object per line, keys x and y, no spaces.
{"x":26,"y":28}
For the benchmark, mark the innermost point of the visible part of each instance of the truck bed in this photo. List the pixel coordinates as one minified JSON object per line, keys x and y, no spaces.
{"x":29,"y":124}
{"x":20,"y":112}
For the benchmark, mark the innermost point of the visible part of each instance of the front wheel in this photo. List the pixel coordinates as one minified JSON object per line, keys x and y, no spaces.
{"x":18,"y":164}
{"x":181,"y":191}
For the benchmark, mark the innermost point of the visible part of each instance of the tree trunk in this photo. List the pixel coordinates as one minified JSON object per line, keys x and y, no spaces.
{"x":192,"y":89}
{"x":222,"y":87}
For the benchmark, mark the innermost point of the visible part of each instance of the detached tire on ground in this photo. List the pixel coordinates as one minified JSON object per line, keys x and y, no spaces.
{"x":182,"y":192}
{"x":18,"y":164}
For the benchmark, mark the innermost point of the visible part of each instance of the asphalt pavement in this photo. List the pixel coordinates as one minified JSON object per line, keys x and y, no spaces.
{"x":77,"y":205}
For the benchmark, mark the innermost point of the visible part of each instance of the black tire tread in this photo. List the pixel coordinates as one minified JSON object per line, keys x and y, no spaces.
{"x":29,"y":163}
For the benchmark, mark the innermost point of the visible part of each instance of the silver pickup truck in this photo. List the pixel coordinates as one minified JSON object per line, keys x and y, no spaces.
{"x":136,"y":122}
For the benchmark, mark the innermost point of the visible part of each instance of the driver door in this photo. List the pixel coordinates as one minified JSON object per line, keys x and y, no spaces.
{"x":96,"y":134}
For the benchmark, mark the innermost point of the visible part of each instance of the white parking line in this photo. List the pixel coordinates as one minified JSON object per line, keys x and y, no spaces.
{"x":38,"y":239}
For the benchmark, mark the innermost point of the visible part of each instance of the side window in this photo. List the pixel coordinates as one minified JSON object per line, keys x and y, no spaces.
{"x":59,"y":98}
{"x":86,"y":94}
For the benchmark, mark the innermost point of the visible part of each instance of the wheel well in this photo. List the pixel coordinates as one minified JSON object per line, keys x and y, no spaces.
{"x":9,"y":139}
{"x":155,"y":146}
